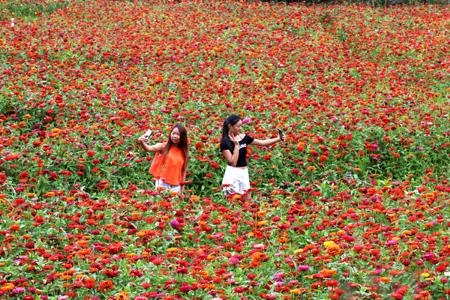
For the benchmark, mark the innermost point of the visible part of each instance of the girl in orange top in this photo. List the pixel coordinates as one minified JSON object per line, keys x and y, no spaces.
{"x":170,"y":163}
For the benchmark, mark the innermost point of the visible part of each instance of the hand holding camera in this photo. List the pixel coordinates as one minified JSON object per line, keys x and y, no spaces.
{"x":280,"y":134}
{"x":146,"y":136}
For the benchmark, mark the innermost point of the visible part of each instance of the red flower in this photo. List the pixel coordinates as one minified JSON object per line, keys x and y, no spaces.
{"x":23,"y":176}
{"x":105,"y":285}
{"x":90,"y":153}
{"x":442,"y":267}
{"x":89,"y":283}
{"x":332,"y":283}
{"x":103,"y":184}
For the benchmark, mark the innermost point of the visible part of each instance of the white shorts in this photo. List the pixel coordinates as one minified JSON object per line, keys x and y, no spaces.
{"x":235,"y":181}
{"x":160,"y":184}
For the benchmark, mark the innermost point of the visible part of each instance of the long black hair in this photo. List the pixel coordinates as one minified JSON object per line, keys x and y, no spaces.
{"x":231,"y":120}
{"x":183,"y":144}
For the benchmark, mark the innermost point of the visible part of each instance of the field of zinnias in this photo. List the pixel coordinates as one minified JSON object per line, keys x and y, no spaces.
{"x":354,"y":205}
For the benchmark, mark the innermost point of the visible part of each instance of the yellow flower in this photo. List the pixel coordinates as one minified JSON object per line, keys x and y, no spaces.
{"x":328,"y":244}
{"x":298,"y":251}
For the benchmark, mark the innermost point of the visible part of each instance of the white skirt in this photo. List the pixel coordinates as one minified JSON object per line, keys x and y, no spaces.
{"x":160,"y":184}
{"x":235,"y":181}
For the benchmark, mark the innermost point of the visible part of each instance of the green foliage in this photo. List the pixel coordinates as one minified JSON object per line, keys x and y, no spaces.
{"x":352,"y":204}
{"x":368,"y":2}
{"x":30,"y":9}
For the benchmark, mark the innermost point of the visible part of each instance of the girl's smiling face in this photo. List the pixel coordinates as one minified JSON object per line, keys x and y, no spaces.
{"x":175,"y":136}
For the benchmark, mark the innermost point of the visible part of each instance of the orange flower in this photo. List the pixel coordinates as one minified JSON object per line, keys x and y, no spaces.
{"x":14,"y":227}
{"x":385,"y":279}
{"x":310,"y":168}
{"x":300,"y":146}
{"x":122,"y":296}
{"x":260,"y":256}
{"x":103,"y":184}
{"x":83,"y":243}
{"x":262,"y":223}
{"x":332,"y":248}
{"x":7,"y":287}
{"x":396,"y":272}
{"x":298,"y":291}
{"x":105,"y":285}
{"x":143,"y":233}
{"x":236,"y":197}
{"x":328,"y":272}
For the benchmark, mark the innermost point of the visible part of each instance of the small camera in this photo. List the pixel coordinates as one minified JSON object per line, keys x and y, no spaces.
{"x":148,"y":134}
{"x":280,"y":133}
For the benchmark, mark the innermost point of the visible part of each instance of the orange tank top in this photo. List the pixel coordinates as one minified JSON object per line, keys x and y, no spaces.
{"x":169,"y":168}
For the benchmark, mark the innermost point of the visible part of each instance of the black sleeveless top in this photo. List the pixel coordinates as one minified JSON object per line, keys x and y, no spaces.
{"x":227,"y":144}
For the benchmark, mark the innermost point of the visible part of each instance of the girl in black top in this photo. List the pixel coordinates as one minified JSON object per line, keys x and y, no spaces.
{"x":233,"y":146}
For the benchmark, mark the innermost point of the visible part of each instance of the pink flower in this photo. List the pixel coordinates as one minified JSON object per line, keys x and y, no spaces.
{"x":392,"y":242}
{"x":175,"y":224}
{"x":234,"y":260}
{"x":18,"y":290}
{"x":303,"y":268}
{"x":279,"y":276}
{"x":246,"y":120}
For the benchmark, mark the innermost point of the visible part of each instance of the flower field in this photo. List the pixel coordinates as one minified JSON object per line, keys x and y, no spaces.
{"x":353,"y":205}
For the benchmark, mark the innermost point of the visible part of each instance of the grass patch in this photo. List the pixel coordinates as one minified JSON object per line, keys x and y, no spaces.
{"x":30,"y":9}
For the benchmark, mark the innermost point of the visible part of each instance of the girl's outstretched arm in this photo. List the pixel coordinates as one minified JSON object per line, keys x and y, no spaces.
{"x":268,"y":142}
{"x":152,"y":148}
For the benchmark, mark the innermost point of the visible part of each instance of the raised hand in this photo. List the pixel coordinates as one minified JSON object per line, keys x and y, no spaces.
{"x":234,"y":139}
{"x":143,"y":139}
{"x":280,"y":134}
{"x":146,"y":136}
